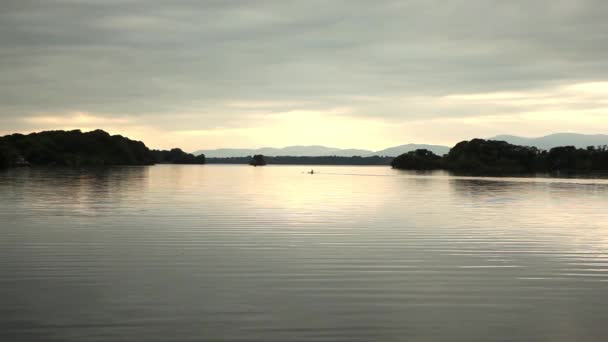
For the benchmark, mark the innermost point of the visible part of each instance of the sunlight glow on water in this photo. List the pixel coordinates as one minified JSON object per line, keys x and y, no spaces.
{"x":236,"y":253}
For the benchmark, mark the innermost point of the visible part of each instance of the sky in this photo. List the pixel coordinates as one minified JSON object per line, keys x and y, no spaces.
{"x":350,"y":74}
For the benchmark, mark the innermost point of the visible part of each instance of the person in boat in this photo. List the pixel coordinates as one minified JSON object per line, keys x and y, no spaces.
{"x":312,"y":172}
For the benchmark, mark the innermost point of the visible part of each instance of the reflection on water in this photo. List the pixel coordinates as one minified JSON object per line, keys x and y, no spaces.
{"x":235,"y":253}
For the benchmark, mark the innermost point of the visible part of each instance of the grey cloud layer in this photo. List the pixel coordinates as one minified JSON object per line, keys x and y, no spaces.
{"x":156,"y":57}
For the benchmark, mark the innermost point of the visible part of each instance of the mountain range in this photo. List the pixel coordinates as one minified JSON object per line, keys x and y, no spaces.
{"x":320,"y":151}
{"x":554,"y":140}
{"x":546,"y":142}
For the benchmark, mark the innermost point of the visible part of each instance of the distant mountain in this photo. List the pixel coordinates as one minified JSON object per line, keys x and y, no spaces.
{"x":319,"y":151}
{"x":554,"y":140}
{"x":399,"y":150}
{"x":296,"y":151}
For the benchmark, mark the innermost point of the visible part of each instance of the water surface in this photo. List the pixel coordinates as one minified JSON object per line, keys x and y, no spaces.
{"x":237,"y":253}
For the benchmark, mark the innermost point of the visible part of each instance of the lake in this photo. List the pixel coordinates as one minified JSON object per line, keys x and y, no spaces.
{"x":237,"y":253}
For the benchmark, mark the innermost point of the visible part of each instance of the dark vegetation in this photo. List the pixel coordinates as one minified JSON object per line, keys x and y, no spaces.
{"x":258,"y":160}
{"x":291,"y":160}
{"x":492,"y":157}
{"x":75,"y":148}
{"x":418,"y":160}
{"x":488,"y":157}
{"x":478,"y":157}
{"x":5,"y":157}
{"x":176,"y":156}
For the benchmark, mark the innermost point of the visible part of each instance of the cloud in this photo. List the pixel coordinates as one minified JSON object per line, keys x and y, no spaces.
{"x":224,"y":65}
{"x":76,"y":119}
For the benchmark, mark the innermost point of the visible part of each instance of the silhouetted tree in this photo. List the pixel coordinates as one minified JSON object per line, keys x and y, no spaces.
{"x":486,"y":157}
{"x":491,"y":156}
{"x":4,"y":157}
{"x":571,"y":159}
{"x":257,"y":160}
{"x":420,"y":159}
{"x":177,"y":156}
{"x":298,"y":160}
{"x":75,"y":148}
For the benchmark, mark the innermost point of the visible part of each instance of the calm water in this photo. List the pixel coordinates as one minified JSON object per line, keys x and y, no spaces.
{"x":236,"y":253}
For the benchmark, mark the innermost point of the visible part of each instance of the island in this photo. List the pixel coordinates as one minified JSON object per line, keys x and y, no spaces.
{"x":257,"y":160}
{"x":77,"y":148}
{"x":474,"y":157}
{"x":493,"y":157}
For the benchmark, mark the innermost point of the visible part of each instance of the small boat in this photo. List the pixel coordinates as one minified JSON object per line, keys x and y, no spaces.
{"x":312,"y":172}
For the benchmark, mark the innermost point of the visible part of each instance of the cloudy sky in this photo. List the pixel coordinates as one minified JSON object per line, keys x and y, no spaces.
{"x":360,"y":74}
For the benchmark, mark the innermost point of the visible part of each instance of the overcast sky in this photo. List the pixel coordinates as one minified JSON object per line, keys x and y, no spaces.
{"x":360,"y":74}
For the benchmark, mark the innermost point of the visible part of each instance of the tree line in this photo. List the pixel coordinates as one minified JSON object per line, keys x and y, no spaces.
{"x":293,"y":160}
{"x":477,"y":156}
{"x":480,"y":156}
{"x":75,"y":148}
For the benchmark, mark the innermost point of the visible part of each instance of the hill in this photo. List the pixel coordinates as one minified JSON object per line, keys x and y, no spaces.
{"x":399,"y":150}
{"x":319,"y":160}
{"x":555,"y":140}
{"x":320,"y":151}
{"x":296,"y":151}
{"x":75,"y":148}
{"x":496,"y":157}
